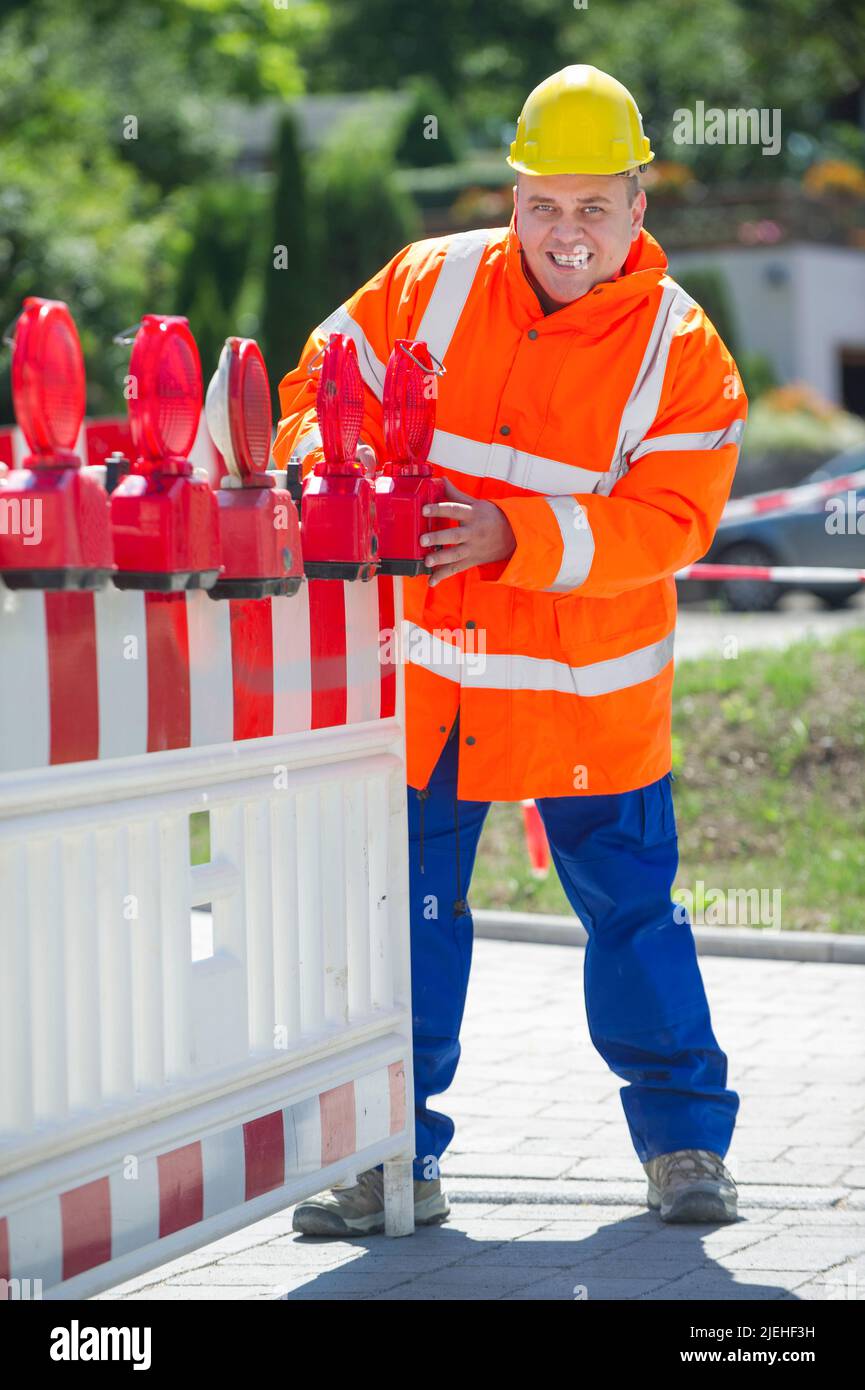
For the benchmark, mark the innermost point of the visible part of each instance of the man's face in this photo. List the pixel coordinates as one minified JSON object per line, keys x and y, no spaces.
{"x":575,"y":229}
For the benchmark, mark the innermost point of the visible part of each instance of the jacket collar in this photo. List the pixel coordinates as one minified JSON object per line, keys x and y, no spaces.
{"x":601,"y":307}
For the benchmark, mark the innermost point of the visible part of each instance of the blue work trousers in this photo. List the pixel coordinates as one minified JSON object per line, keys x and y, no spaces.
{"x":616,"y":856}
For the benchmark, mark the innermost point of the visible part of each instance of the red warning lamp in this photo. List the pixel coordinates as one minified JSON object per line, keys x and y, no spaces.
{"x":55,"y":531}
{"x":165,"y":517}
{"x":337,"y":502}
{"x":165,"y":392}
{"x":258,"y":522}
{"x":406,"y":483}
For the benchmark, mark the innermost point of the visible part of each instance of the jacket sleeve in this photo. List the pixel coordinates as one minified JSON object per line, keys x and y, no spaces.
{"x":373,"y":316}
{"x":663,"y":513}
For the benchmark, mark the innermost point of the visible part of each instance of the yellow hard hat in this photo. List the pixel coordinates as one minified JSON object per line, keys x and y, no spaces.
{"x":579,"y":121}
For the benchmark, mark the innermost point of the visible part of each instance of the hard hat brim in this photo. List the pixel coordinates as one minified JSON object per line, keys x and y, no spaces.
{"x":550,"y":168}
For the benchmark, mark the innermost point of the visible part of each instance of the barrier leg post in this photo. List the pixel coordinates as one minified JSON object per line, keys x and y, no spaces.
{"x":398,"y":1197}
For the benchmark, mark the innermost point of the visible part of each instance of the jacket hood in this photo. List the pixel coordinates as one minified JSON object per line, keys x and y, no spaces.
{"x":600,"y":307}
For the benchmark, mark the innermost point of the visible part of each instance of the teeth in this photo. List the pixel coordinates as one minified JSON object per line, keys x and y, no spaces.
{"x":580,"y":257}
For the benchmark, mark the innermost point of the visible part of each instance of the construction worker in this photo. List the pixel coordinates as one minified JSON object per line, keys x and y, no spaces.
{"x":588,"y":427}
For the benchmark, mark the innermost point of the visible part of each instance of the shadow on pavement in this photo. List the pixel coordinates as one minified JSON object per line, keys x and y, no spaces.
{"x":628,"y":1259}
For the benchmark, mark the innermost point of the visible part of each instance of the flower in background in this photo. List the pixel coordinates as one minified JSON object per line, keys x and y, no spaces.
{"x":835,"y":176}
{"x":799,"y":396}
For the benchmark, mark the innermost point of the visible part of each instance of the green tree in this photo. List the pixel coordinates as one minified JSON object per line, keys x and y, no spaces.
{"x":286,"y":308}
{"x":360,"y":218}
{"x":801,"y":57}
{"x":420,"y":143}
{"x":112,"y":118}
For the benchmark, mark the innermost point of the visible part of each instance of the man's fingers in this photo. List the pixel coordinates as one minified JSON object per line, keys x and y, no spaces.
{"x":445,"y":571}
{"x":451,"y":535}
{"x":443,"y":557}
{"x":457,"y":510}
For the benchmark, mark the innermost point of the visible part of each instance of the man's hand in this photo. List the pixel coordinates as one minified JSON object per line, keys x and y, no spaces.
{"x":366,"y":455}
{"x":483,"y":534}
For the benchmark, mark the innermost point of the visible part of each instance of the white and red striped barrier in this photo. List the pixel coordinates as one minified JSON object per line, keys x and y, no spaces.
{"x":161,"y":1085}
{"x":760,"y":503}
{"x":118,"y":673}
{"x":780,"y":574}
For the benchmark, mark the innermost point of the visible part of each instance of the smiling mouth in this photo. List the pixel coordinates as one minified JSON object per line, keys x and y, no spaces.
{"x":578,"y":260}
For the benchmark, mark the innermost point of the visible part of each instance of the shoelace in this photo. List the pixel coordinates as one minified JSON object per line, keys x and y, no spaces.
{"x":690,"y":1166}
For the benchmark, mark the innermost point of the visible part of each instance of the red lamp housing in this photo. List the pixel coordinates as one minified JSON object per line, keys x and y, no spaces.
{"x":337,"y":501}
{"x":258,"y":522}
{"x":165,"y":518}
{"x":406,"y":483}
{"x":54,"y":519}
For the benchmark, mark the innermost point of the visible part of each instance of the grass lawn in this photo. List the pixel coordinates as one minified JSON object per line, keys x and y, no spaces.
{"x":769,"y":757}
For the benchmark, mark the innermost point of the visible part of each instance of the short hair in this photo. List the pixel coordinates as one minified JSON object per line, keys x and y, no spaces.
{"x":632,"y":187}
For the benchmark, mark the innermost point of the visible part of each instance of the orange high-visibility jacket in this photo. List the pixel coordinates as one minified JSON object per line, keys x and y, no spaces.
{"x":608,"y":433}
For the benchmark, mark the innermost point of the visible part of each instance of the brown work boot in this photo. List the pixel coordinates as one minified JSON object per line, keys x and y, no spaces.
{"x":691,"y":1185}
{"x":359,"y":1210}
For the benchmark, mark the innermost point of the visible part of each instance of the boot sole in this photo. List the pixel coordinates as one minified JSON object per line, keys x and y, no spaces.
{"x":699,"y":1203}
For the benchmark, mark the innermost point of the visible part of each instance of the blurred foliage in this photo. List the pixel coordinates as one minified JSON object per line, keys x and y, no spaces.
{"x":429,"y":132}
{"x":795,"y":419}
{"x":486,"y":55}
{"x":108,"y":178}
{"x":287,"y":314}
{"x":359,"y":216}
{"x":757,"y":373}
{"x":212,"y":274}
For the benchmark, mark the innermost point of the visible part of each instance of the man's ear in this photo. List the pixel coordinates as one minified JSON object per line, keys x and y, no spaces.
{"x":516,"y":212}
{"x":638,"y":212}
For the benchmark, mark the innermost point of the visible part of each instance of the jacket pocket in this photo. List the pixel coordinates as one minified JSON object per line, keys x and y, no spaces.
{"x":584,"y":624}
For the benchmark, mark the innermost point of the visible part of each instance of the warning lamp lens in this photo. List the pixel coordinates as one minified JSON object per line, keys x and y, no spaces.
{"x":48,"y":382}
{"x":253,"y":408}
{"x":408,"y":404}
{"x":165,"y":377}
{"x":238,"y":408}
{"x":339,"y":402}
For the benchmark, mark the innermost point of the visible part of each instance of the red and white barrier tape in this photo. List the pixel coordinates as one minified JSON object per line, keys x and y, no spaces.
{"x":761,"y":502}
{"x":781,"y":574}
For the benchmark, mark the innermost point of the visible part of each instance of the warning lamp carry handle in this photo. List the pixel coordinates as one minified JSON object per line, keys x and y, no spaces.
{"x":409,"y":407}
{"x":437,"y":367}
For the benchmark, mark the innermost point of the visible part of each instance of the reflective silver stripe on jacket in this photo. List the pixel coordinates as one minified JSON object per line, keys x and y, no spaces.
{"x":501,"y":671}
{"x":311,"y":440}
{"x":451,"y":290}
{"x":515,"y":466}
{"x":371,"y":369}
{"x":578,"y":544}
{"x":642,"y":404}
{"x":708,"y":439}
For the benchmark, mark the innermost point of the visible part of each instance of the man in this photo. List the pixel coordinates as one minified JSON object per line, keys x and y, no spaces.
{"x":588,"y":427}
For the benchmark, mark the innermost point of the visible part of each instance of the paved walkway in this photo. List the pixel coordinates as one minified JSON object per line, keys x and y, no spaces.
{"x":704,"y":633}
{"x":546,"y":1191}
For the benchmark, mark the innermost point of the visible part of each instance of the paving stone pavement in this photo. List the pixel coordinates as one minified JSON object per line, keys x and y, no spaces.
{"x":547,"y":1194}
